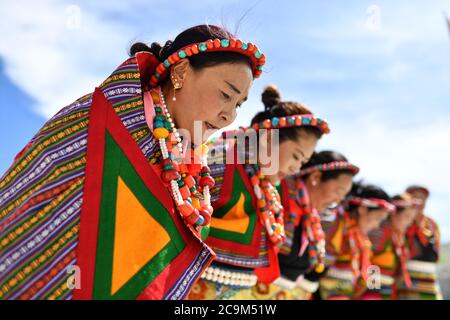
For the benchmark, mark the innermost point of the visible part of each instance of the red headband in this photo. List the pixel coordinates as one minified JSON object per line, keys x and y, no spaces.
{"x":403,"y":204}
{"x":296,"y":120}
{"x":223,"y":45}
{"x":373,"y":203}
{"x":330,"y":166}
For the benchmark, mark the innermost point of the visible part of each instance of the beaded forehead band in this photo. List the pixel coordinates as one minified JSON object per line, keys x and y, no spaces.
{"x":373,"y":203}
{"x":297,"y":120}
{"x":403,"y":204}
{"x":217,"y":45}
{"x":330,"y":166}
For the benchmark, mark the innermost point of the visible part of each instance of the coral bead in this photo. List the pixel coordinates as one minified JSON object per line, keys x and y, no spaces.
{"x":186,"y":209}
{"x":207,"y":181}
{"x":185,"y":193}
{"x":206,"y":216}
{"x":169,"y":175}
{"x":189,"y":181}
{"x":193,"y":217}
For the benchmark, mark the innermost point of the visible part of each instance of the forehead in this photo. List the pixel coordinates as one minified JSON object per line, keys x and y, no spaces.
{"x":419,"y":194}
{"x":237,"y":73}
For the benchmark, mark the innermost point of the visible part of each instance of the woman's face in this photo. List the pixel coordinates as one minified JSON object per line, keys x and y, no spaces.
{"x":333,"y":191}
{"x":403,"y":219}
{"x":422,"y":196}
{"x":293,"y":154}
{"x":209,"y":96}
{"x":370,"y":220}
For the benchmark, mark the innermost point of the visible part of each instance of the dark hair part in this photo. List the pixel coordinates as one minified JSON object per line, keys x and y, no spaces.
{"x":274,"y":107}
{"x":200,"y":33}
{"x":327,"y":157}
{"x":362,"y":190}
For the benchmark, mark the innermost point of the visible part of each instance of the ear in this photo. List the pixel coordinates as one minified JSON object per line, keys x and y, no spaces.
{"x":363,"y":211}
{"x":264,"y":136}
{"x":315,"y":178}
{"x":178,"y":73}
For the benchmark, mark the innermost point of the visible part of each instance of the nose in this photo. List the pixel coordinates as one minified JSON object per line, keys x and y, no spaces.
{"x":227,"y":117}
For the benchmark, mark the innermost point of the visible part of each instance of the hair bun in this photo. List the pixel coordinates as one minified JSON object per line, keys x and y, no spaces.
{"x":270,"y":97}
{"x":165,"y":50}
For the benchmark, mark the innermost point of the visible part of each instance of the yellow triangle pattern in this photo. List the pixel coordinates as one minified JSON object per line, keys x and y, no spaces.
{"x":235,"y":220}
{"x":138,"y":237}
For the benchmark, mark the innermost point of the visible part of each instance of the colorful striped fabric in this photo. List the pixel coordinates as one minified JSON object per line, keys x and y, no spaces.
{"x":385,"y":256}
{"x":236,"y":235}
{"x":424,"y":242}
{"x":42,"y":194}
{"x":348,"y":258}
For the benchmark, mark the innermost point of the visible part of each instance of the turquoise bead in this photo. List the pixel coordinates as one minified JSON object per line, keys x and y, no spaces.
{"x":275,"y":121}
{"x":159,"y":118}
{"x":306,"y":121}
{"x":202,"y":47}
{"x":225,"y":43}
{"x":157,"y":75}
{"x":260,"y":67}
{"x":291,"y":120}
{"x":200,"y":220}
{"x":244,"y":46}
{"x":167,"y":125}
{"x":257,"y":54}
{"x":182,"y":54}
{"x":166,"y":63}
{"x":158,"y":124}
{"x":168,"y":167}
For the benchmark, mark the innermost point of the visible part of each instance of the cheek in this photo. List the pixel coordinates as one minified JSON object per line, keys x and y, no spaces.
{"x":284,"y":158}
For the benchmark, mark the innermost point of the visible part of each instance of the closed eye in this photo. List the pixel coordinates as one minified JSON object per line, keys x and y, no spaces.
{"x":226,"y":96}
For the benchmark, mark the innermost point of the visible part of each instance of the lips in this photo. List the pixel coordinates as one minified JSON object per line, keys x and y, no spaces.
{"x":210,"y":126}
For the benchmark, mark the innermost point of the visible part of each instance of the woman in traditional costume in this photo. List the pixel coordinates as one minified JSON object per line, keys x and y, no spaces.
{"x":247,"y":225}
{"x":101,"y":204}
{"x":321,"y":183}
{"x":423,"y":242}
{"x":348,"y":247}
{"x":391,"y":250}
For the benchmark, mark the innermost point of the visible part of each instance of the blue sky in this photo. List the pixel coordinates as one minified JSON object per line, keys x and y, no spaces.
{"x":379,"y":71}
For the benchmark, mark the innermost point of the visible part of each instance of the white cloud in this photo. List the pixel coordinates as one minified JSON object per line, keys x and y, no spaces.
{"x":55,"y":54}
{"x":395,"y":156}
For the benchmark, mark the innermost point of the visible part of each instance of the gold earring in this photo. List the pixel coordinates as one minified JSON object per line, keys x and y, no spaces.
{"x":176,"y":86}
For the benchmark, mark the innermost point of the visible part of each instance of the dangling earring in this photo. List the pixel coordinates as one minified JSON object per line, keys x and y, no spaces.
{"x":176,"y":86}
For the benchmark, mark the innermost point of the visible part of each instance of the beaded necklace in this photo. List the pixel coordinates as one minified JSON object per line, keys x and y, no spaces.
{"x":360,"y":248}
{"x":270,"y":210}
{"x":312,"y":234}
{"x":192,"y":199}
{"x":402,"y":252}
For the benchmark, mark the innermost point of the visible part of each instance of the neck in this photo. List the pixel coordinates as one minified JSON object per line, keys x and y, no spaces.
{"x":167,"y":91}
{"x":419,"y":217}
{"x":362,"y":227}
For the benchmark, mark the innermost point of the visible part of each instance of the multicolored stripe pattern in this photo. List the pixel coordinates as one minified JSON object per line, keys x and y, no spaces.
{"x":41,"y":195}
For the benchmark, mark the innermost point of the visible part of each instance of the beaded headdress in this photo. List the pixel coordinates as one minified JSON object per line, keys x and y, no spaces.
{"x":330,"y":166}
{"x":217,"y":45}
